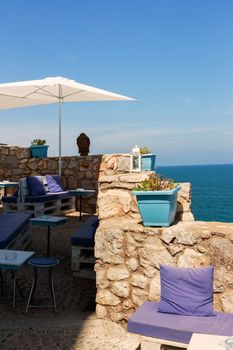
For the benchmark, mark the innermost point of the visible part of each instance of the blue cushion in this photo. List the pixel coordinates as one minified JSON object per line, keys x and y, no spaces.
{"x":36,"y":186}
{"x":54,"y":183}
{"x":93,"y":221}
{"x":85,"y":235}
{"x":9,"y":199}
{"x":11,"y":224}
{"x":47,"y":197}
{"x":186,"y":291}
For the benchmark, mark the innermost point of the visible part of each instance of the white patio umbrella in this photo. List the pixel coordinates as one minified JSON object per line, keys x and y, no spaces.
{"x":52,"y":90}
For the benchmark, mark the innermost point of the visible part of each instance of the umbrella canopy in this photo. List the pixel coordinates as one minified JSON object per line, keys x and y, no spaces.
{"x":52,"y":90}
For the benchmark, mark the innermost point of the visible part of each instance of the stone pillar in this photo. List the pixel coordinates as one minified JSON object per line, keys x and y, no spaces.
{"x":127,"y":253}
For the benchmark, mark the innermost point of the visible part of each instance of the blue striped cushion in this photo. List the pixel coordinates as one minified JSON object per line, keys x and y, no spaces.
{"x":54,"y":183}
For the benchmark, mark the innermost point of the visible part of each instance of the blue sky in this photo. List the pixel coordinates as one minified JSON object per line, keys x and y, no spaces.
{"x":174,"y":56}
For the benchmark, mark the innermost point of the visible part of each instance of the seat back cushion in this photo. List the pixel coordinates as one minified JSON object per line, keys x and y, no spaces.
{"x":186,"y":291}
{"x":54,"y":183}
{"x":36,"y":186}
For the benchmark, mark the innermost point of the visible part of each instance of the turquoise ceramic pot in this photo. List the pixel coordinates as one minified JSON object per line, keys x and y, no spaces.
{"x":157,"y":208}
{"x":39,"y":151}
{"x":148,"y":162}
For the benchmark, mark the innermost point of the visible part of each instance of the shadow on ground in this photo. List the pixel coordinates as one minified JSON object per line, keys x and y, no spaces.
{"x":42,"y":328}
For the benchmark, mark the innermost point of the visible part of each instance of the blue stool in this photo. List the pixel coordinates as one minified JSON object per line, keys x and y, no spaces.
{"x":42,"y":262}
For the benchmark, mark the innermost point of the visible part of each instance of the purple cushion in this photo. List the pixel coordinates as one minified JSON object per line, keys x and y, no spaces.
{"x":146,"y":320}
{"x":47,"y":197}
{"x":54,"y":183}
{"x":186,"y":291}
{"x":36,"y":186}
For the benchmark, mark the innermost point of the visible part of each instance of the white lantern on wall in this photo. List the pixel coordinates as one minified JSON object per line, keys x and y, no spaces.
{"x":135,"y":159}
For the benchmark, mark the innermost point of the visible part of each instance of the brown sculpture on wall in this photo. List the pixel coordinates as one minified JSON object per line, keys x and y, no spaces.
{"x":83,"y":143}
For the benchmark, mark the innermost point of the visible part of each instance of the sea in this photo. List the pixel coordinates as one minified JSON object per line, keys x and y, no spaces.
{"x":212,"y":189}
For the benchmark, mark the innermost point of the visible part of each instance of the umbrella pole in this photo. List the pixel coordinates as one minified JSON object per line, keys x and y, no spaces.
{"x":59,"y":126}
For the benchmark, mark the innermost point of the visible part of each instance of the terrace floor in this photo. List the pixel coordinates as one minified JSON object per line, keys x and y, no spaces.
{"x":75,"y":326}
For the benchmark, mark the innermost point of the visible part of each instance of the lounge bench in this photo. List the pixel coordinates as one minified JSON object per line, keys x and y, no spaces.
{"x":168,"y":329}
{"x":49,"y":203}
{"x":83,"y":241}
{"x":14,"y":231}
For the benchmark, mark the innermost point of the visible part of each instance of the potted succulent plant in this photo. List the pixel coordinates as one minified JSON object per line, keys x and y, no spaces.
{"x":147,"y":159}
{"x":39,"y":148}
{"x":157,"y":200}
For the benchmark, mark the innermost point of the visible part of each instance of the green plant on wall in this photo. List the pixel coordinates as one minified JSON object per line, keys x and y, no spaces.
{"x":155,"y":182}
{"x":38,"y":142}
{"x":144,"y":150}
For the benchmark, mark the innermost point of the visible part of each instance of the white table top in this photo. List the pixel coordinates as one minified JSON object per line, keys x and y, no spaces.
{"x":48,"y":220}
{"x":13,"y":258}
{"x":206,"y":342}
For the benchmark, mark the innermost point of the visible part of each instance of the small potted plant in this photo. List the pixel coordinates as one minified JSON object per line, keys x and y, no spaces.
{"x":147,"y":159}
{"x":157,"y":200}
{"x":39,"y":148}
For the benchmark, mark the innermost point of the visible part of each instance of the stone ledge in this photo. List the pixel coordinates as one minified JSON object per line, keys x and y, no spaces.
{"x":129,"y":178}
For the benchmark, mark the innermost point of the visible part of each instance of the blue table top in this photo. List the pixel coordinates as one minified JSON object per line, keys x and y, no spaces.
{"x":48,"y":220}
{"x":13,"y":259}
{"x":81,"y":192}
{"x":8,"y":184}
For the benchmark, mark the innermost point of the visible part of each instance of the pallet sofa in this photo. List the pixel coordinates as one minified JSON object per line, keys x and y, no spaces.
{"x":159,"y":329}
{"x":15,"y":231}
{"x":185,"y":307}
{"x":40,"y":202}
{"x":82,"y":256}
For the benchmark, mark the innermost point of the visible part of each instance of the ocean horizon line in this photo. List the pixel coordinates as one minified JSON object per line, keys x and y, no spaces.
{"x":190,"y":165}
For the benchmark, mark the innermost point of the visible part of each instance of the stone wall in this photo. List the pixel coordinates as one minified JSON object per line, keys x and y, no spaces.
{"x":16,"y":162}
{"x":128,"y":254}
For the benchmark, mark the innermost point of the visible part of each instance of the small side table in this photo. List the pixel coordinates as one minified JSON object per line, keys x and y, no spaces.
{"x":80,"y":192}
{"x":13,"y":260}
{"x":49,"y":221}
{"x":206,"y":342}
{"x":6,"y":184}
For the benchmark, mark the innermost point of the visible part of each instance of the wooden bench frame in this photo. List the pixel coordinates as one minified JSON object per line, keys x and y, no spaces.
{"x":81,"y":257}
{"x":149,"y":343}
{"x":83,"y":253}
{"x":10,"y":207}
